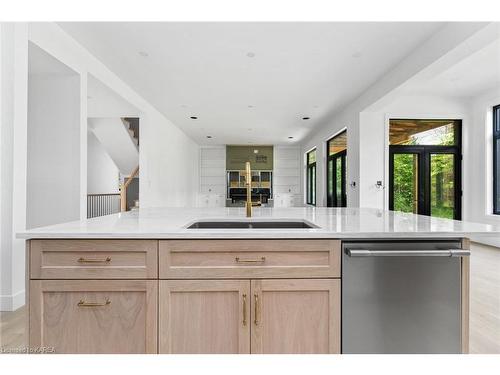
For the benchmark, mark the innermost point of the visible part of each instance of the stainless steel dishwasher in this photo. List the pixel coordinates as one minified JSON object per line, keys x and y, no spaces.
{"x":401,"y":297}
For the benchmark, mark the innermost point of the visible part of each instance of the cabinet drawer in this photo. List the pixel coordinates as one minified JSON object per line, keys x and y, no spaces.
{"x":198,"y":259}
{"x":93,"y":259}
{"x":94,"y":316}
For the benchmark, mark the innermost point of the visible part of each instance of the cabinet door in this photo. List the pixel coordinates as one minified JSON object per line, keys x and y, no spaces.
{"x":90,"y":316}
{"x":296,"y":316}
{"x":209,"y":316}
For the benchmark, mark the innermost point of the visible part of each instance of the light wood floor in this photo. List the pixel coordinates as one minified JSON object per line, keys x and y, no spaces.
{"x":484,"y":306}
{"x":485,"y":300}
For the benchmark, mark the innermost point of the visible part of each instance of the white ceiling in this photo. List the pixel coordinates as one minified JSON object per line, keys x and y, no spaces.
{"x":207,"y":70}
{"x":469,"y":77}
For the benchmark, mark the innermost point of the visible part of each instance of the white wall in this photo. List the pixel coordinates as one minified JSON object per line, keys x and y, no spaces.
{"x":102,"y":173}
{"x":212,"y":188}
{"x":14,"y":98}
{"x":169,"y":164}
{"x":53,"y":188}
{"x":168,"y":158}
{"x":480,"y":162}
{"x":440,"y":49}
{"x":287,"y":176}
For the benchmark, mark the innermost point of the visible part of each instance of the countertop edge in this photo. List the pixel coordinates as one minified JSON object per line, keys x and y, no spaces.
{"x":260,"y":235}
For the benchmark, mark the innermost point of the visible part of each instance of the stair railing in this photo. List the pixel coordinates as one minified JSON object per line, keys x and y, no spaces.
{"x":102,"y":204}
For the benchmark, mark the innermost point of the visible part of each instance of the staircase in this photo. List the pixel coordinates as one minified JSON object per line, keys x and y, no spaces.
{"x":130,"y":203}
{"x":120,"y":139}
{"x":132,"y":126}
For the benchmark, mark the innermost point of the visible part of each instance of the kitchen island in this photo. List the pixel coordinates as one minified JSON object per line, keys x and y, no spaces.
{"x":295,"y":280}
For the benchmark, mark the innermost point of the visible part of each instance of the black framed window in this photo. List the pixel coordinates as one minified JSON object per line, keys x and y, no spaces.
{"x":336,"y":165}
{"x":311,"y":178}
{"x":496,"y":160}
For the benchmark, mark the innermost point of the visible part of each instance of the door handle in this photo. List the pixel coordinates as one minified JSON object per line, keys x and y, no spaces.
{"x":82,"y":303}
{"x":256,"y":309}
{"x":244,"y":309}
{"x":408,"y":253}
{"x":239,"y":260}
{"x":94,"y":260}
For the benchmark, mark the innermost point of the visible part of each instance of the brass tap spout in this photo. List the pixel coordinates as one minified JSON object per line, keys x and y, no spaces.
{"x":248,"y":180}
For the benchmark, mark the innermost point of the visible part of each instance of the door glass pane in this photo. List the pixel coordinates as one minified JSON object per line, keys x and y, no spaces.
{"x":496,"y":175}
{"x":338,"y":179}
{"x":442,"y":185}
{"x":329,"y":183}
{"x":406,"y":182}
{"x":313,"y":185}
{"x":309,"y":185}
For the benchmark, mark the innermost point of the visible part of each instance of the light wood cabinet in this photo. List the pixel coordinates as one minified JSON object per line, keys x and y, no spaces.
{"x":210,"y":316}
{"x":232,"y":316}
{"x":215,"y":259}
{"x":295,"y":316}
{"x":90,"y":316}
{"x":185,"y":296}
{"x":94,"y":259}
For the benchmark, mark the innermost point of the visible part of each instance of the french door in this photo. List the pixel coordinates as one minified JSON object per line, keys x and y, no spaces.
{"x":425,"y":180}
{"x":336,"y":180}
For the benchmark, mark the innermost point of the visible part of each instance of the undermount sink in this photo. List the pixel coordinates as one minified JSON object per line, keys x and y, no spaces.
{"x":257,"y":224}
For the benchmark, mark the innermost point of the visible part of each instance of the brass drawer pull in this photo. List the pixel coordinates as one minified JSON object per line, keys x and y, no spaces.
{"x":94,"y":260}
{"x":261,"y":260}
{"x":244,"y":309}
{"x":256,"y":311}
{"x":82,"y":303}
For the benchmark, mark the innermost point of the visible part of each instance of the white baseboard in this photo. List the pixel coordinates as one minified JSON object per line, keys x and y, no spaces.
{"x":12,"y":302}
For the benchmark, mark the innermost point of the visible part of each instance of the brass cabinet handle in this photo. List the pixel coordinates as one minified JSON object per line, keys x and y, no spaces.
{"x":94,"y":260}
{"x":244,"y":309}
{"x":261,"y":260}
{"x":82,"y":303}
{"x":256,"y":307}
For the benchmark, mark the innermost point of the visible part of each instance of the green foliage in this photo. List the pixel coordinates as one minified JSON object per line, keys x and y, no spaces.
{"x":442,"y":184}
{"x":404,"y":182}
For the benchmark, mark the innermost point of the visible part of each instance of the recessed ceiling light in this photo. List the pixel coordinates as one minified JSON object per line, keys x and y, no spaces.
{"x":209,"y":136}
{"x":194,"y":118}
{"x":290,"y":137}
{"x":305,"y":118}
{"x":251,"y":54}
{"x":143,"y":54}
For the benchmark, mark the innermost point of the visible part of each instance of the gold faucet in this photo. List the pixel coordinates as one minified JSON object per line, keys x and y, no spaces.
{"x":248,"y":181}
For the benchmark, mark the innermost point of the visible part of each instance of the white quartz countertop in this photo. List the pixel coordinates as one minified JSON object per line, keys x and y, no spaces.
{"x":158,"y":223}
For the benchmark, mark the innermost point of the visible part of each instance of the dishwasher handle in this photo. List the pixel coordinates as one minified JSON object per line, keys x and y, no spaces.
{"x":407,"y":253}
